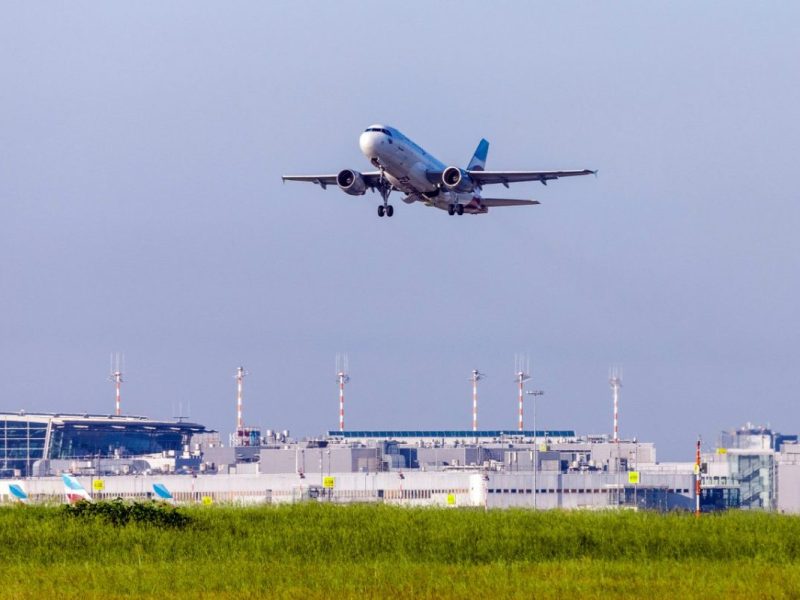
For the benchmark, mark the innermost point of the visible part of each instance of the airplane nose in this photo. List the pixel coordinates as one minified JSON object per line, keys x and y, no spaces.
{"x":368,"y":142}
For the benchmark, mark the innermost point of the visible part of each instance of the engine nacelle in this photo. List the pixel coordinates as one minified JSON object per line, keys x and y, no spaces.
{"x":351,"y":182}
{"x":456,"y":180}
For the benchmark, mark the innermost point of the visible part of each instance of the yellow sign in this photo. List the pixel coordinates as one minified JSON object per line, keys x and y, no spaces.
{"x":542,"y":447}
{"x":207,"y":500}
{"x":328,"y":482}
{"x":722,"y":450}
{"x":99,"y":485}
{"x":451,"y":499}
{"x":696,"y":469}
{"x":633,"y":476}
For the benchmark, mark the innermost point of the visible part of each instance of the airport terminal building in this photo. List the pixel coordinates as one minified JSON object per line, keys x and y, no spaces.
{"x":26,"y":439}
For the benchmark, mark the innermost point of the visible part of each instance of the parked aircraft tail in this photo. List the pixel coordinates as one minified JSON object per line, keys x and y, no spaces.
{"x":17,"y":492}
{"x":74,"y":491}
{"x":478,"y":160}
{"x":162,"y":493}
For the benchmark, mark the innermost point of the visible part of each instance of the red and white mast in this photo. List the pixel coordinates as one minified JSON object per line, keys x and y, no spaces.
{"x":476,"y":377}
{"x":615,"y":380}
{"x":240,"y":375}
{"x":522,"y":370}
{"x":116,"y":377}
{"x":342,"y":377}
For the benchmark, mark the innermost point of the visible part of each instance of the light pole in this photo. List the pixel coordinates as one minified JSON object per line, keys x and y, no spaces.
{"x":534,"y":394}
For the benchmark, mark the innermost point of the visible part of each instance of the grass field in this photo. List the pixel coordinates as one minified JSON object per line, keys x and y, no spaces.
{"x":319,"y":551}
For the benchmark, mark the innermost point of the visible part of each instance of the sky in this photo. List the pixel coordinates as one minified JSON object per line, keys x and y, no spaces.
{"x":142,"y":212}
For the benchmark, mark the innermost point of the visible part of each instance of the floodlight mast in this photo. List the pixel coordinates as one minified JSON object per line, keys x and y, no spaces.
{"x":534,"y":394}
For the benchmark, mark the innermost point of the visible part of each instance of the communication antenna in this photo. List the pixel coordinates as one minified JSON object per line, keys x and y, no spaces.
{"x":522,"y":370}
{"x":476,"y":377}
{"x":240,"y":375}
{"x":342,"y":377}
{"x":117,"y":366}
{"x":615,"y":380}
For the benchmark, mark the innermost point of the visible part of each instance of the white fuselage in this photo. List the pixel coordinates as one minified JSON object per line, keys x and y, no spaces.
{"x":406,"y":165}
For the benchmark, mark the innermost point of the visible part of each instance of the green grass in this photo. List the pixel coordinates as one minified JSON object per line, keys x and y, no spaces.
{"x":317,"y":551}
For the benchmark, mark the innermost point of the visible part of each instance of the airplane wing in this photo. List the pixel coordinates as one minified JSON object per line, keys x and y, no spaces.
{"x":506,"y":177}
{"x":372,"y":179}
{"x":506,"y":202}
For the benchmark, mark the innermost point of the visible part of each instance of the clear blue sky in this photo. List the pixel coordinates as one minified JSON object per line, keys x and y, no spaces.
{"x":141,"y":210}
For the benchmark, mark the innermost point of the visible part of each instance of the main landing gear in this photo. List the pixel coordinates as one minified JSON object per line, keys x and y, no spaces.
{"x":385,"y":188}
{"x":453,"y":209}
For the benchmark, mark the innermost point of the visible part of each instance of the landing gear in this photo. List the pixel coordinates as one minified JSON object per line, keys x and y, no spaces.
{"x":453,"y":209}
{"x":385,"y":188}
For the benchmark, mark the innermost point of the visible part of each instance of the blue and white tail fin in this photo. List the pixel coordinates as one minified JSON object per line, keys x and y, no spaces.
{"x":162,"y":493}
{"x":478,"y":160}
{"x":74,"y":491}
{"x":17,"y":492}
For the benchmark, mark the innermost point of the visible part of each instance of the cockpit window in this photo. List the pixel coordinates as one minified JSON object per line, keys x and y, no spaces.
{"x":379,"y":130}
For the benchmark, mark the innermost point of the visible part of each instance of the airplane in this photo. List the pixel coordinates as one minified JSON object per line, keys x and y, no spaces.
{"x":74,"y":491}
{"x":405,"y":167}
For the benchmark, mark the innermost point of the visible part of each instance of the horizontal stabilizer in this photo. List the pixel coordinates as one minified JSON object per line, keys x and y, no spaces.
{"x":506,"y":202}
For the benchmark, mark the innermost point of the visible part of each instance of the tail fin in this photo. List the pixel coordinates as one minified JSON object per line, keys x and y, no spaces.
{"x":18,"y":492}
{"x":74,"y":490}
{"x":162,"y":492}
{"x":478,"y":161}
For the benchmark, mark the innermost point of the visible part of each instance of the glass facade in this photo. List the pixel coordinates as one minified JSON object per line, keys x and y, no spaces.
{"x":24,"y":439}
{"x":75,"y":440}
{"x":450,"y":433}
{"x":22,"y":443}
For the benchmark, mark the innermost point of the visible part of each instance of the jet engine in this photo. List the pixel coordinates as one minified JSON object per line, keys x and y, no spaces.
{"x":456,"y":180}
{"x":351,"y":182}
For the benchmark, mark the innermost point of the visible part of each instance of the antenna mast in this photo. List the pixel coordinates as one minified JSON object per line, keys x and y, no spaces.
{"x":522,"y":369}
{"x":240,"y":375}
{"x":476,"y":377}
{"x":342,"y":376}
{"x":615,"y":380}
{"x":117,"y":361}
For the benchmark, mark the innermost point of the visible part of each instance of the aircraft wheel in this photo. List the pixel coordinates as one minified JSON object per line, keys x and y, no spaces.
{"x":451,"y":210}
{"x":389,"y":210}
{"x":380,"y":210}
{"x":460,"y":209}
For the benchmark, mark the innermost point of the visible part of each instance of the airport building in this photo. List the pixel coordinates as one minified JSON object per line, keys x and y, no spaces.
{"x":753,"y":468}
{"x":31,"y":443}
{"x":757,"y":469}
